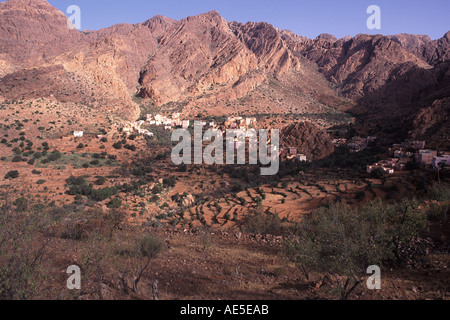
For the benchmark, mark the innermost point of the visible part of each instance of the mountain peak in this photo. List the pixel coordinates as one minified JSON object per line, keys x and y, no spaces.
{"x":447,"y":36}
{"x":30,"y":3}
{"x":159,"y":19}
{"x":213,"y":13}
{"x":211,"y":16}
{"x":327,"y":36}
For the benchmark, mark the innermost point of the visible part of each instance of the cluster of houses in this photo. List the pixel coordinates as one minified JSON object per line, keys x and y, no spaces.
{"x":404,"y":152}
{"x":157,"y":120}
{"x":388,"y":166}
{"x":136,"y":127}
{"x":292,"y":153}
{"x":175,"y":121}
{"x":239,"y":123}
{"x":355,"y":144}
{"x":425,"y":157}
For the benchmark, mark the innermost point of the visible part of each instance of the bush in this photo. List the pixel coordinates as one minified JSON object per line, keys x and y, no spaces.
{"x":141,"y":170}
{"x":103,"y":194}
{"x":161,"y":156}
{"x":343,"y":241}
{"x":118,"y":145}
{"x":17,"y":159}
{"x":439,"y":192}
{"x":115,"y":203}
{"x":262,"y":223}
{"x":150,"y":246}
{"x":130,"y":147}
{"x":12,"y":174}
{"x":21,"y":204}
{"x":169,"y":182}
{"x":37,"y":155}
{"x":100,"y":181}
{"x":378,"y":173}
{"x":54,"y":156}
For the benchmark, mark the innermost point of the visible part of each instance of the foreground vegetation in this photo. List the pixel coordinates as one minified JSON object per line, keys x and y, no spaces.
{"x":335,"y":244}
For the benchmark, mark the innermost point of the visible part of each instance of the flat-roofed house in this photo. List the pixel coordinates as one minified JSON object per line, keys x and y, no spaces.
{"x":78,"y":134}
{"x":445,"y":160}
{"x":426,"y":156}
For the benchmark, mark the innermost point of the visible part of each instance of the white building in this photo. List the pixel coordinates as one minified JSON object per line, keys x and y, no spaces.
{"x":78,"y":134}
{"x":441,"y":160}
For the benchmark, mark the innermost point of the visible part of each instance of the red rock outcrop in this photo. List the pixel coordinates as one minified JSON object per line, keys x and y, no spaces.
{"x":32,"y":33}
{"x":308,"y":139}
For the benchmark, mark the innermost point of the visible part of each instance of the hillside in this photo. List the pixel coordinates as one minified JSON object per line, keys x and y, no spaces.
{"x":204,"y":64}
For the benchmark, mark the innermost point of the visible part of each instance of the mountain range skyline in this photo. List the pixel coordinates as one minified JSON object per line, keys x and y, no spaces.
{"x":306,"y":18}
{"x":205,"y":64}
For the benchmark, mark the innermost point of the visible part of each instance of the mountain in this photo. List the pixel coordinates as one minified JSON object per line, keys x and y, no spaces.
{"x":32,"y":32}
{"x":205,"y":64}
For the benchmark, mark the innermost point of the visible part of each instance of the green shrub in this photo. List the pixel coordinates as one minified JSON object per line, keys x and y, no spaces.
{"x":115,"y":203}
{"x":439,"y":192}
{"x":12,"y":174}
{"x":21,"y":204}
{"x":118,"y":145}
{"x":130,"y":147}
{"x":17,"y":159}
{"x":150,"y":246}
{"x":100,"y":181}
{"x":262,"y":223}
{"x":343,"y":241}
{"x":169,"y":182}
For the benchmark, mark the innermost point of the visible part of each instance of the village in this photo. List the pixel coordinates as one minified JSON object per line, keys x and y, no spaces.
{"x":411,"y":151}
{"x":399,"y":154}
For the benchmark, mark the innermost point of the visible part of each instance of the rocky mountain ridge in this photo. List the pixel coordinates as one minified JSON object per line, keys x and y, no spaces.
{"x":204,"y":64}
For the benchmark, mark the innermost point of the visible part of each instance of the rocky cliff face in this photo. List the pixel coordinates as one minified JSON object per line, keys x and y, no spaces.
{"x":433,"y":125}
{"x":32,"y":32}
{"x":431,"y":51}
{"x":359,"y":65}
{"x":204,"y":63}
{"x":192,"y":56}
